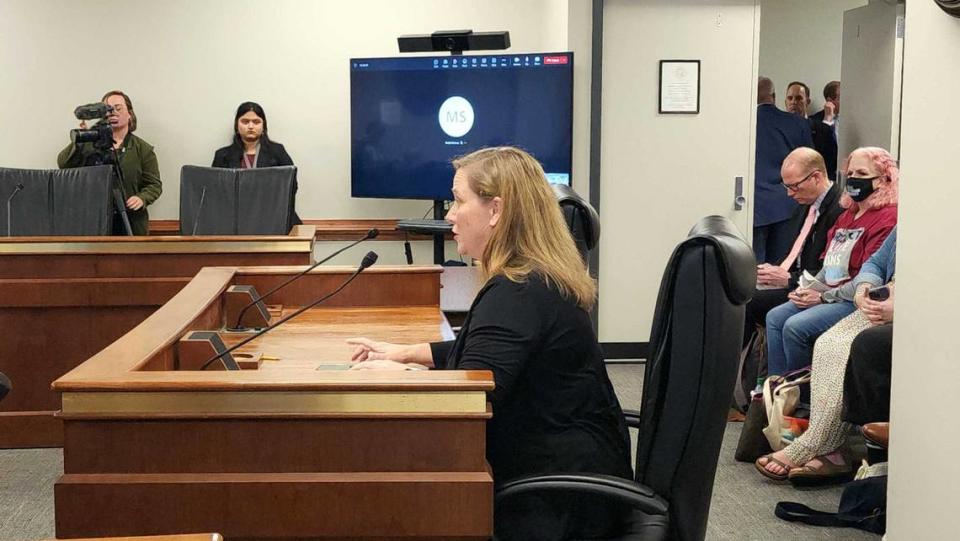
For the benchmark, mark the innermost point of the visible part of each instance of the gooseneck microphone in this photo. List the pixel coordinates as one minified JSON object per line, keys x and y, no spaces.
{"x":372,"y":233}
{"x":368,"y":260}
{"x":196,"y":221}
{"x":10,"y":208}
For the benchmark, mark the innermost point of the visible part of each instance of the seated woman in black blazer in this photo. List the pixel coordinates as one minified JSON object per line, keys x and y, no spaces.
{"x":554,"y":408}
{"x":251,"y":146}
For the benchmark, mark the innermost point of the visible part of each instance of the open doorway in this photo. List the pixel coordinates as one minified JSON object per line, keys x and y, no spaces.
{"x":856,"y":42}
{"x":811,"y":301}
{"x":814,"y":53}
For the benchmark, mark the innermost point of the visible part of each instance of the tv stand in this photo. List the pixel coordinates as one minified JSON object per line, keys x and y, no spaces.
{"x":438,"y":213}
{"x":438,"y":228}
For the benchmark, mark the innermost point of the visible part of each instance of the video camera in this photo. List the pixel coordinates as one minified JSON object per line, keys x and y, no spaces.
{"x":100,"y":134}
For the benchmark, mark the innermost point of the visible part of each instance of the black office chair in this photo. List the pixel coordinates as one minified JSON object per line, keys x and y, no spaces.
{"x":5,"y":385}
{"x":581,"y":218}
{"x":687,"y":386}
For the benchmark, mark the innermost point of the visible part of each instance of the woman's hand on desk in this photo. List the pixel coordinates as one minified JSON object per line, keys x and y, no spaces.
{"x":386,"y":365}
{"x":371,"y":350}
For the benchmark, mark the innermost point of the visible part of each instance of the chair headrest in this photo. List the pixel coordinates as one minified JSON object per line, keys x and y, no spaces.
{"x":566,"y":196}
{"x":738,"y":263}
{"x":5,"y":385}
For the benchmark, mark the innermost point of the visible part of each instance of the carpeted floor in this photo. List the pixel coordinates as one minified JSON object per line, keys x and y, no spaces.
{"x":742,"y":505}
{"x":26,"y":492}
{"x":743,"y":500}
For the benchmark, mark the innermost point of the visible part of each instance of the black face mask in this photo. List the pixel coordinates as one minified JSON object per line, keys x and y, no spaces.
{"x":860,"y":188}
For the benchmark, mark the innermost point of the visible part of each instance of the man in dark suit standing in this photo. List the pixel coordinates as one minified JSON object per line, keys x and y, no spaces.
{"x":824,"y":137}
{"x":778,"y":133}
{"x":829,"y":116}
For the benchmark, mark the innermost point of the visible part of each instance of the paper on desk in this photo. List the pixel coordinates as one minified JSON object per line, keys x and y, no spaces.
{"x":808,"y":281}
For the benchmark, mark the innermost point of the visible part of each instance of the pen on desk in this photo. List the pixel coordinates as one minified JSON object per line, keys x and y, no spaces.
{"x":269,"y":358}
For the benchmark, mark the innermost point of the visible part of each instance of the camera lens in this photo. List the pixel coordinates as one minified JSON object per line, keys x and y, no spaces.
{"x":450,"y":44}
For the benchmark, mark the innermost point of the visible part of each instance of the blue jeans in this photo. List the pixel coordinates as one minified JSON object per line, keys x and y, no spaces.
{"x":791,"y":333}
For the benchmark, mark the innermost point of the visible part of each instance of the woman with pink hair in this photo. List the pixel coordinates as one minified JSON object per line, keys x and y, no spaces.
{"x":870,"y":197}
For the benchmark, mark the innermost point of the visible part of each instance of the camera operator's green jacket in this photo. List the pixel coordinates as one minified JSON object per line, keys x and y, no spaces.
{"x":141,"y":174}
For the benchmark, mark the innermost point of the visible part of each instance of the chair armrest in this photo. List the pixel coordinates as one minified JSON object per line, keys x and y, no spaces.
{"x":632,"y":417}
{"x":640,"y":497}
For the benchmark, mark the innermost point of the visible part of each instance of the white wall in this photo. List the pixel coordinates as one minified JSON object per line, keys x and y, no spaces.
{"x":925,"y":439}
{"x":187,"y":64}
{"x":872,"y":64}
{"x":579,"y":26}
{"x":662,"y":173}
{"x":800,"y":41}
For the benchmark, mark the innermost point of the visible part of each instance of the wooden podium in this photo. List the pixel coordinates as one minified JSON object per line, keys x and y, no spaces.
{"x":62,"y":299}
{"x":297,"y":449}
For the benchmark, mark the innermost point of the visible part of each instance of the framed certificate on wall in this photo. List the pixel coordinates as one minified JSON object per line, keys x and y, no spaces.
{"x":679,"y":87}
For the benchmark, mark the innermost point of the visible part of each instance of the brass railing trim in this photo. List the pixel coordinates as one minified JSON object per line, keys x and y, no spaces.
{"x":271,"y":402}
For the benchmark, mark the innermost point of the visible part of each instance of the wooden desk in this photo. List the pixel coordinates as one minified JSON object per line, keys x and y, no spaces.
{"x":62,"y":299}
{"x":290,"y":451}
{"x":185,"y":537}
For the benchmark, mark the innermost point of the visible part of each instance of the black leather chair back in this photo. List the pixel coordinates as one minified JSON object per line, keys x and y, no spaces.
{"x":581,"y":218}
{"x":5,"y":385}
{"x":689,"y":378}
{"x":57,"y":202}
{"x":256,"y":201}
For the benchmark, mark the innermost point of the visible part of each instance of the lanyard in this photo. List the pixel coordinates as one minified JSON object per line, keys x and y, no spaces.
{"x":256,"y":158}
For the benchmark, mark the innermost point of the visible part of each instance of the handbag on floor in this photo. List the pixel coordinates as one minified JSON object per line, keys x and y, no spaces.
{"x":780,"y":397}
{"x":752,"y":443}
{"x":863,"y":505}
{"x":752,"y":370}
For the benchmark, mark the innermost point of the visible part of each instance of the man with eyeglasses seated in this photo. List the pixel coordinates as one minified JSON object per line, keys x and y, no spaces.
{"x":805,"y":179}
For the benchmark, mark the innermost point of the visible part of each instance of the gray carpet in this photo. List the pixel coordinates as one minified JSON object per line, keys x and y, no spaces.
{"x":742,"y":506}
{"x":26,"y":492}
{"x":743,"y":500}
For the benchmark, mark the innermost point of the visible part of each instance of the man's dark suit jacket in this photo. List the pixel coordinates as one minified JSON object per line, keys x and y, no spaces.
{"x":809,"y":260}
{"x":271,"y":155}
{"x":778,"y":133}
{"x":816,"y":241}
{"x":825,"y":141}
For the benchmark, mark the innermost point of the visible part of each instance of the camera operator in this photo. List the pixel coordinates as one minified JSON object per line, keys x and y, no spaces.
{"x":137,"y":160}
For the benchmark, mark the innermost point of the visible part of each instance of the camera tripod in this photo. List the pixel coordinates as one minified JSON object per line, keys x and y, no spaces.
{"x":105,"y":156}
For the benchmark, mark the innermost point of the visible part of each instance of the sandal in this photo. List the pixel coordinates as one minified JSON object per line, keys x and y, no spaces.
{"x":769,"y":474}
{"x":826,"y":473}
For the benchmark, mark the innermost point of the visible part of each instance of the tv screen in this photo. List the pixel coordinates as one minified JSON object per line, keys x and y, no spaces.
{"x":409,"y":117}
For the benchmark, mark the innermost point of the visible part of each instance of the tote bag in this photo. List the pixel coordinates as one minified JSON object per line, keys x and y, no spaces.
{"x":780,"y":396}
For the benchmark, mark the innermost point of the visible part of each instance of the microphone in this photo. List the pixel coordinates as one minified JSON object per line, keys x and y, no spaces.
{"x":371,"y":234}
{"x":196,"y":221}
{"x":92,"y":111}
{"x":368,"y":260}
{"x":16,"y":190}
{"x":5,"y":385}
{"x":408,"y":252}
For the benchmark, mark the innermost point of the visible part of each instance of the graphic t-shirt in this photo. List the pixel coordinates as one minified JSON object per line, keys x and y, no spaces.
{"x":853,"y":241}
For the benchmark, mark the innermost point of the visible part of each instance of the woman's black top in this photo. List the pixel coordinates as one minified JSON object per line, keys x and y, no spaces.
{"x":272,"y":154}
{"x":554,"y":408}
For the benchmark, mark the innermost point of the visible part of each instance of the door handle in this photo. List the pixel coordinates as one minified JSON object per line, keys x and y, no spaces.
{"x":738,"y":199}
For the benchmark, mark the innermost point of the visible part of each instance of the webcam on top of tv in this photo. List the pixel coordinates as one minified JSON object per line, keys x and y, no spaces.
{"x":454,"y":41}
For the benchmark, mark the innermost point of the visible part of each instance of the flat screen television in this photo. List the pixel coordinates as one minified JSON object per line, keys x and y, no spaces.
{"x":409,"y":117}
